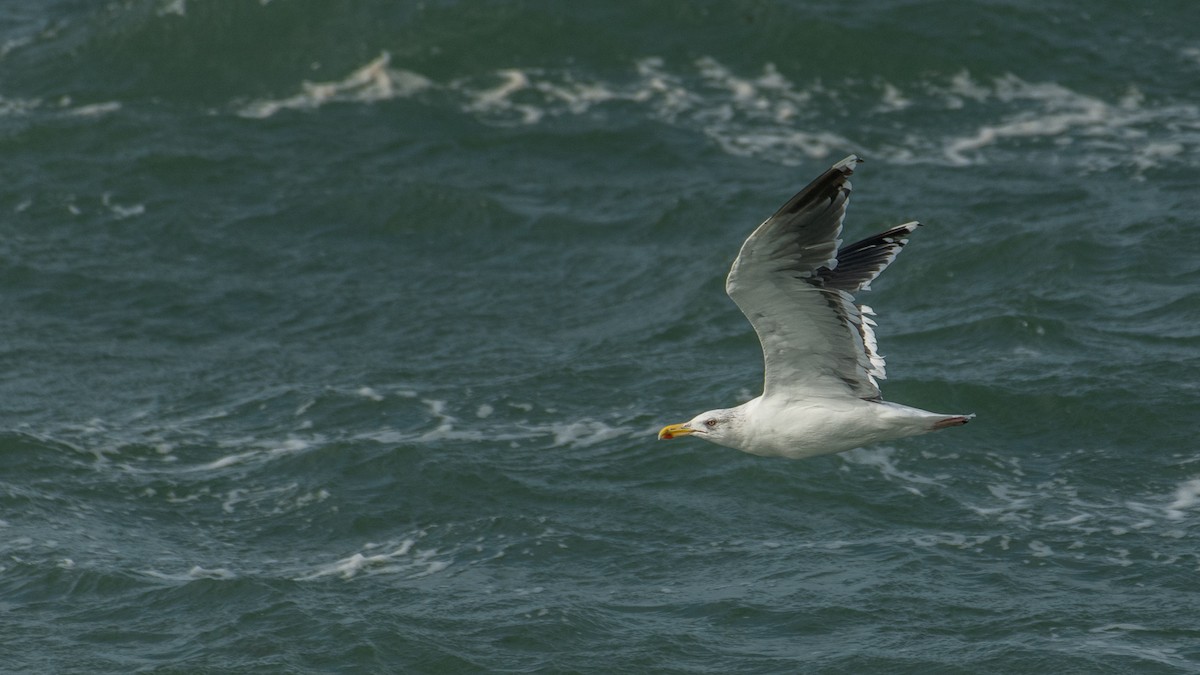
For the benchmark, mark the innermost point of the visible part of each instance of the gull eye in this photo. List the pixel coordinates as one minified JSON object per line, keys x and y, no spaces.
{"x":710,"y":423}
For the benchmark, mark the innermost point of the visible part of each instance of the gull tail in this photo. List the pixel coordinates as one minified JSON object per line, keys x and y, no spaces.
{"x":951,"y":421}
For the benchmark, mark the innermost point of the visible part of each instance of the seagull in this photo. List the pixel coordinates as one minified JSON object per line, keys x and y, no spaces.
{"x":820,"y":393}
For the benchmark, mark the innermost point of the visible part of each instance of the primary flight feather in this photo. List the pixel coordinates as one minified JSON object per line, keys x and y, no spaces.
{"x":796,"y":287}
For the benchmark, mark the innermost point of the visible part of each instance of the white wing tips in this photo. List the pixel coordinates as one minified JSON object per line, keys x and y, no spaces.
{"x":847,"y":165}
{"x":831,"y":188}
{"x":859,"y":366}
{"x":866,"y":328}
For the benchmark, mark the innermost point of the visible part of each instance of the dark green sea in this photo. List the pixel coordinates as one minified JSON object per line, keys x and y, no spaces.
{"x":335,"y":334}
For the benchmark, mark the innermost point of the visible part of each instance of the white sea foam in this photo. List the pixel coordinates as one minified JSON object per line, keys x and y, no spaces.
{"x":303,"y":407}
{"x":1114,"y":640}
{"x":953,"y":540}
{"x":263,"y":450}
{"x":18,"y":106}
{"x":1040,"y":550}
{"x":498,"y":101}
{"x":173,"y":7}
{"x":893,"y":99}
{"x":404,"y":559}
{"x":121,"y":211}
{"x":226,"y":461}
{"x":1100,"y":134}
{"x":196,"y":572}
{"x":95,"y":109}
{"x":1056,"y":110}
{"x":63,"y":106}
{"x":445,"y":423}
{"x":14,"y":43}
{"x":1186,"y":496}
{"x":448,"y":426}
{"x":369,"y":393}
{"x":766,"y":115}
{"x":883,"y":459}
{"x":1056,"y":518}
{"x":586,"y":433}
{"x":1119,"y":627}
{"x":371,"y":83}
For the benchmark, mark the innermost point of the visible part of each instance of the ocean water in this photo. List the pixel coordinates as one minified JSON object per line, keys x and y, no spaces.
{"x":336,"y":335}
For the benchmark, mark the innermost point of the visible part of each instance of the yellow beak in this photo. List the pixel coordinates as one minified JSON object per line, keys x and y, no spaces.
{"x":669,"y":432}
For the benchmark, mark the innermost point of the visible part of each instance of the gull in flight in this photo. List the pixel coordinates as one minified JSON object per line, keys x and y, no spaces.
{"x":790,"y":280}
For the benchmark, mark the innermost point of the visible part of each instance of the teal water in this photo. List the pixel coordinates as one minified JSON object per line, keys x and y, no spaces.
{"x":336,"y":336}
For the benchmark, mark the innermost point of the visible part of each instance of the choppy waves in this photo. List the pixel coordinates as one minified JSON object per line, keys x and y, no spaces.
{"x":1006,"y":508}
{"x":512,"y":513}
{"x":337,"y":341}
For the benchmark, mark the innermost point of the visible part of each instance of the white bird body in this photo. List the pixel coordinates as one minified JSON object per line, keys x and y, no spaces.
{"x":820,"y":393}
{"x":800,"y":428}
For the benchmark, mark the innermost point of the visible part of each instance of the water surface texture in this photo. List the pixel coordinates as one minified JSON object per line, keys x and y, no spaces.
{"x":336,"y":335}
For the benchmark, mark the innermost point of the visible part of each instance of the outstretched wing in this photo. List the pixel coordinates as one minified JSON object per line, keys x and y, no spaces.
{"x":795,"y":288}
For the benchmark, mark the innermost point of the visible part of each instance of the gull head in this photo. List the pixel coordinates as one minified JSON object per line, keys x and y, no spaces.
{"x":718,"y":426}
